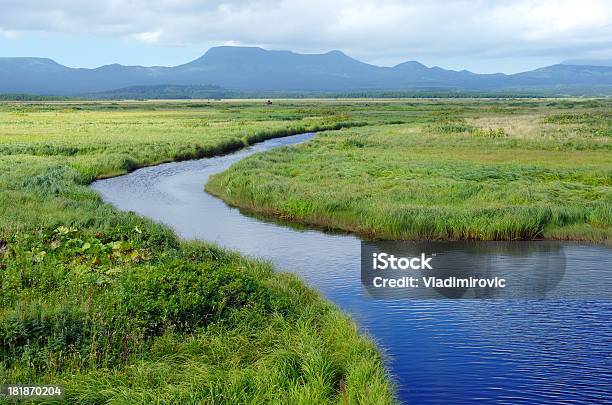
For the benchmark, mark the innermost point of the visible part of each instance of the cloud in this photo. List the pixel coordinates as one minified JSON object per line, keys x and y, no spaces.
{"x":8,"y":34}
{"x":374,"y":30}
{"x":151,"y":37}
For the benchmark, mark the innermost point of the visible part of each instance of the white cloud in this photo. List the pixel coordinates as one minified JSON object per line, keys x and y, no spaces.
{"x":374,"y":30}
{"x":151,"y":37}
{"x":8,"y":34}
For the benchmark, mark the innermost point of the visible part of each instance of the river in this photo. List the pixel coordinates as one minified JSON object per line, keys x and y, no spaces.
{"x":554,"y":349}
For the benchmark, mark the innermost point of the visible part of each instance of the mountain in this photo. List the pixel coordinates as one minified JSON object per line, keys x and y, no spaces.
{"x":250,"y":69}
{"x":245,"y":68}
{"x":588,"y":62}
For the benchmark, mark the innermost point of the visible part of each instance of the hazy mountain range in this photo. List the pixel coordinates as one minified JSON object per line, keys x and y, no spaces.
{"x":588,"y":62}
{"x":250,"y":69}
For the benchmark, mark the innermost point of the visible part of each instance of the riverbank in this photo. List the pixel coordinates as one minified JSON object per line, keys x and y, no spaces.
{"x":459,"y":357}
{"x":117,"y":308}
{"x":496,"y":174}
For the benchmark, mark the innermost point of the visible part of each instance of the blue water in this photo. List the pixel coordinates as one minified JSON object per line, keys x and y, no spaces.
{"x":553,"y":350}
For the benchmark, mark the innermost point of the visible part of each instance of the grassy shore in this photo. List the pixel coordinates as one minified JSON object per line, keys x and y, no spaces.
{"x":491,"y":170}
{"x":117,"y":309}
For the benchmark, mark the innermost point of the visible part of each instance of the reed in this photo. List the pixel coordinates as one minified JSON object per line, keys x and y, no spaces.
{"x":494,"y":174}
{"x":117,"y":309}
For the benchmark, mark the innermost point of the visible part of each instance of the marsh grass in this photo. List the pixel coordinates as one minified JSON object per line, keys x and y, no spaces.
{"x":119,"y":310}
{"x":493,"y":174}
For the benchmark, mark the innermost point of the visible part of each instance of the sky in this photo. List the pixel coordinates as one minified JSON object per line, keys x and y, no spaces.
{"x":484,"y":36}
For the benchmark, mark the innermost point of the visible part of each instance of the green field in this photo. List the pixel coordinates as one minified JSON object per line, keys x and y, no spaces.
{"x":117,"y":309}
{"x":489,"y":170}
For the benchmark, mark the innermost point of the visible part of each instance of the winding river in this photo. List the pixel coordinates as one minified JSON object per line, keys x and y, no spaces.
{"x":553,"y":350}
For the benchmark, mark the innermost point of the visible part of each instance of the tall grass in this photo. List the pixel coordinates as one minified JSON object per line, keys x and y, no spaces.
{"x":491,"y":175}
{"x":117,"y":309}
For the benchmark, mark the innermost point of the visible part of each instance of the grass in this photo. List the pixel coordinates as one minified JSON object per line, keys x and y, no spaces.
{"x":118,"y":309}
{"x":488,"y":170}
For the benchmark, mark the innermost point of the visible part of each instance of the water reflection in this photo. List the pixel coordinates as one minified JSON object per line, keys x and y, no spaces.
{"x":439,"y":350}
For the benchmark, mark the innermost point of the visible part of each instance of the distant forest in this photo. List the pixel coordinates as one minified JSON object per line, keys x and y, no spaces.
{"x":211,"y":92}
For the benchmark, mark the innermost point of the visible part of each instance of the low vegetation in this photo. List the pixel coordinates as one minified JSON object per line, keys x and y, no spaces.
{"x":492,"y":170}
{"x":117,"y":309}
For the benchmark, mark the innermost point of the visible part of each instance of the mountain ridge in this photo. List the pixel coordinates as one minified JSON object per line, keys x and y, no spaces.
{"x":257,"y":69}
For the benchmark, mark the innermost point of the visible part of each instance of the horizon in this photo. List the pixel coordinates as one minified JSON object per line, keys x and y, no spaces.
{"x":482,"y":36}
{"x":276,"y":50}
{"x":177,"y":62}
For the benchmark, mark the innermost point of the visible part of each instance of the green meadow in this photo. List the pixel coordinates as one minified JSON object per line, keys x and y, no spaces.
{"x":450,"y":170}
{"x":117,"y":309}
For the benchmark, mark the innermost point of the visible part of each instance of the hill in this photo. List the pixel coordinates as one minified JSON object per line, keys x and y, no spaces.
{"x":249,"y":69}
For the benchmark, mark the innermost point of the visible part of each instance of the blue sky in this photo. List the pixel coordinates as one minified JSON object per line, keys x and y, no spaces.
{"x":481,"y":35}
